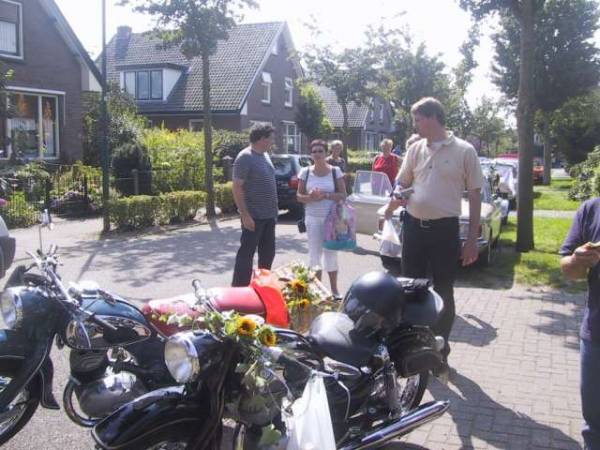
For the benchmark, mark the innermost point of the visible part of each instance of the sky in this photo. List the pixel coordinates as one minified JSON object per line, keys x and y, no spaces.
{"x":441,"y":24}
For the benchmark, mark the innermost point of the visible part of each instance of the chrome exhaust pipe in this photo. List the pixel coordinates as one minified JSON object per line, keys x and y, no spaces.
{"x":401,"y":426}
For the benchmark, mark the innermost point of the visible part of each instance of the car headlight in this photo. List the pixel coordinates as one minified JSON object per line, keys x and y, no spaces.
{"x":181,"y":357}
{"x":12,"y":309}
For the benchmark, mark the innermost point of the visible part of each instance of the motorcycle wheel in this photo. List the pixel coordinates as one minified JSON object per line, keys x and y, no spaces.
{"x":24,"y":405}
{"x":412,"y":390}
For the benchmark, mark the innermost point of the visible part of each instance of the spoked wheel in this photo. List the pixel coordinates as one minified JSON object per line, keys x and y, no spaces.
{"x":411,"y":390}
{"x":18,"y":412}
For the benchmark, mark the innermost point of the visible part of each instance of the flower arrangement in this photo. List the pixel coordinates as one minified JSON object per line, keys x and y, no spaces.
{"x":304,"y":295}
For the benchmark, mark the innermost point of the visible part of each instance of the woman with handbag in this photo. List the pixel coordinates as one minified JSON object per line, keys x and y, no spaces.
{"x":319,"y":187}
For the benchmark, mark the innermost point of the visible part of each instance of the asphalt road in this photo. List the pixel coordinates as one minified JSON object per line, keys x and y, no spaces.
{"x":145,"y":266}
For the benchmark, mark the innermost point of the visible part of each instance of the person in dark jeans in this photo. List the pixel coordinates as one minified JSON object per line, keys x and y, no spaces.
{"x":255,"y":195}
{"x":439,"y":167}
{"x":580,"y":259}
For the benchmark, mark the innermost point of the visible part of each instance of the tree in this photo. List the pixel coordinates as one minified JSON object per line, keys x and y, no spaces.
{"x":524,"y":11}
{"x":567,"y":63}
{"x":310,"y":115}
{"x":406,"y":73}
{"x":196,"y":26}
{"x":487,"y":126}
{"x":349,"y":73}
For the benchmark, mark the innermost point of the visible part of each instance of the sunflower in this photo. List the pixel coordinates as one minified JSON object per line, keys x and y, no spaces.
{"x":298,"y":286}
{"x":245,"y":326}
{"x":304,"y":303}
{"x":267,"y":337}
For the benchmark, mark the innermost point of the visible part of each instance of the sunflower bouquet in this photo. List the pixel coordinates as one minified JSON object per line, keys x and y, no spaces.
{"x":304,"y":295}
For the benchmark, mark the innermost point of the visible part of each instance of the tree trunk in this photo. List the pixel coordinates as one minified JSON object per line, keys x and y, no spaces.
{"x":345,"y":131}
{"x":525,"y":117}
{"x":208,"y":150}
{"x":547,"y":147}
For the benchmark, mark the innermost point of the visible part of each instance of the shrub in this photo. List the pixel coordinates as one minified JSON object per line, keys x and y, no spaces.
{"x":228,"y":143}
{"x":141,"y":211}
{"x":587,"y":177}
{"x":224,"y":197}
{"x":350,"y":176}
{"x":358,"y":160}
{"x":19,"y":213}
{"x":126,"y":158}
{"x":182,"y":206}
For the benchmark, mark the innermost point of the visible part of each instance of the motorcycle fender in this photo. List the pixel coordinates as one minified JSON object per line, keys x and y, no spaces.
{"x":29,"y":362}
{"x":154,"y":412}
{"x":46,"y":375}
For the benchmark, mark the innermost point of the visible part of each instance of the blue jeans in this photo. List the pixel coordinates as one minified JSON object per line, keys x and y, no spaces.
{"x":590,"y":393}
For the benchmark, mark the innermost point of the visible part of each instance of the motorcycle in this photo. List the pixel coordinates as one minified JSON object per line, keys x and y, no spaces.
{"x":116,"y":348}
{"x":375,"y":357}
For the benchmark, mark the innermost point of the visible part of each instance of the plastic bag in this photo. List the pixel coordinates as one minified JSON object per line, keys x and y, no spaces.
{"x":389,"y":232}
{"x":390,"y":241}
{"x":309,"y":426}
{"x":340,"y":228}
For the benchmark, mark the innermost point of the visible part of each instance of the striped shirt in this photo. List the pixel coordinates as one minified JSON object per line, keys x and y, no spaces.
{"x":324,"y":184}
{"x":260,"y":190}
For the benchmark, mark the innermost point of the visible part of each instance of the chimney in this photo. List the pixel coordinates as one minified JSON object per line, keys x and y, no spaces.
{"x":123,"y":32}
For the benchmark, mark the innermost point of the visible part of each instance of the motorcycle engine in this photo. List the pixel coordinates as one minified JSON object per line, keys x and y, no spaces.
{"x":260,"y":407}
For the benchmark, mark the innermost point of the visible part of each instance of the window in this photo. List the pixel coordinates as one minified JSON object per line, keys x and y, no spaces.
{"x":371,"y":143}
{"x":266,"y":85}
{"x":196,"y":124}
{"x":33,"y":127}
{"x":11,"y":29}
{"x":289,"y":92}
{"x":381,"y":113}
{"x":371,"y":114}
{"x":291,"y":139}
{"x":144,"y":84}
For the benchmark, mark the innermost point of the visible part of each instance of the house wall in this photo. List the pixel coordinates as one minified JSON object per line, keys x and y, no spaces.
{"x":381,"y":127}
{"x":355,"y":139}
{"x":49,"y":64}
{"x":280,"y":67}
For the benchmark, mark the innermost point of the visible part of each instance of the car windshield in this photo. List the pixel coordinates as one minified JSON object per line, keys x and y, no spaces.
{"x":283,"y":166}
{"x":372,"y":183}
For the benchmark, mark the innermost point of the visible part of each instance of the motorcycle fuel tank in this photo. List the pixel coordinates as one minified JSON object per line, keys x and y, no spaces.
{"x":131,"y":326}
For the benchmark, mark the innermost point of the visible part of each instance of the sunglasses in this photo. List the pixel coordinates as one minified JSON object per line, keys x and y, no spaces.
{"x":318,"y":151}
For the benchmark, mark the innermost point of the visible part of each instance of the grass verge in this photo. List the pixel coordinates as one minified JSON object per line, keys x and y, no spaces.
{"x":539,"y":267}
{"x":554,"y":197}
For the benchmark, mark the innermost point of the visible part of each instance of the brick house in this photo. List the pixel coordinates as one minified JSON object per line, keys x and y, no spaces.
{"x":369,"y":123}
{"x":253,"y":76}
{"x":51,"y":71}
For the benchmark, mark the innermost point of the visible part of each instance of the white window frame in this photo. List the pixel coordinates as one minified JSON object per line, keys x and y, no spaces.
{"x":193,"y":121}
{"x":39,"y":93}
{"x":289,"y":92}
{"x":371,"y":114}
{"x":372,"y":145}
{"x":295,"y":135}
{"x":135,"y":74}
{"x":381,"y":113}
{"x":266,"y":84}
{"x":20,"y":50}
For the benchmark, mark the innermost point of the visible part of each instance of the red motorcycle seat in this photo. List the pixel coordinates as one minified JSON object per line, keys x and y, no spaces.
{"x":243,"y":300}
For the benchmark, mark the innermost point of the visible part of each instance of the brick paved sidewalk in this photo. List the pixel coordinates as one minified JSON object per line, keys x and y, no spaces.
{"x":517,"y":382}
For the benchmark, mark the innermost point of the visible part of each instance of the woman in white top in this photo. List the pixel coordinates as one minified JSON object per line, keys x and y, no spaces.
{"x":318,"y":192}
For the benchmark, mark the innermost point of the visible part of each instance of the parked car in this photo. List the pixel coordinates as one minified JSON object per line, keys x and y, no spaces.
{"x":287,"y":168}
{"x":371,"y":191}
{"x":538,"y":170}
{"x":489,"y":228}
{"x":7,"y":248}
{"x":509,"y":179}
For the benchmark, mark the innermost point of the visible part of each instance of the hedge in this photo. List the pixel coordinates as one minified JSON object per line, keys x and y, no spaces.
{"x":224,"y":197}
{"x":141,"y":211}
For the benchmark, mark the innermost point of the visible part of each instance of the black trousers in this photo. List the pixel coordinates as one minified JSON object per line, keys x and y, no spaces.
{"x":433,"y":245}
{"x":263,"y":239}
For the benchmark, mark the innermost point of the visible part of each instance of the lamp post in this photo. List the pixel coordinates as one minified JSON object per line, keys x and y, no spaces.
{"x":104,"y":133}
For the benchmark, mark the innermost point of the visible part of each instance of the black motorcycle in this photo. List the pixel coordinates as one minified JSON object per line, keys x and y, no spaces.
{"x":116,"y":355}
{"x":375,"y":356}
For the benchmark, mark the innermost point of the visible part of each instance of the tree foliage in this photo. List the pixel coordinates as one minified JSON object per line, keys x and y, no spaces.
{"x":310,"y":116}
{"x":196,"y":27}
{"x":487,"y":125}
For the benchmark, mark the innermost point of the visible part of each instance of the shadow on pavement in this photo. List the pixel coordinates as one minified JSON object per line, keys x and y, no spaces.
{"x":477,"y":415}
{"x":473,"y":331}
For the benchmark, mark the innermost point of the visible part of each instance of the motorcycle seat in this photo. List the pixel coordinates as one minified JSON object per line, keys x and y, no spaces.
{"x":333,"y":334}
{"x":243,"y":300}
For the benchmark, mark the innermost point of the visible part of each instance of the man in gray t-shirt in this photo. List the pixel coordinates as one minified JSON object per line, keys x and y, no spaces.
{"x":255,"y":195}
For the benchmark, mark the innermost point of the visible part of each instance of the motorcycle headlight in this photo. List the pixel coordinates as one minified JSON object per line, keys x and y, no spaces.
{"x":181,"y":358}
{"x":12,"y":308}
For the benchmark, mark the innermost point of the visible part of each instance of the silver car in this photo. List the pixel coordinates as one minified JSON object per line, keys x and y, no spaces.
{"x":489,"y":228}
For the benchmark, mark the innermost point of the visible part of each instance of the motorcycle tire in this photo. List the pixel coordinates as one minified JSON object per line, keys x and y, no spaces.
{"x":32,"y":391}
{"x":417,"y":397}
